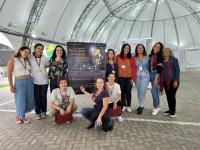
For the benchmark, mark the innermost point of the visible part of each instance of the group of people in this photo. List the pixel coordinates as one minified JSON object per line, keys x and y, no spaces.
{"x":160,"y":68}
{"x":31,"y":79}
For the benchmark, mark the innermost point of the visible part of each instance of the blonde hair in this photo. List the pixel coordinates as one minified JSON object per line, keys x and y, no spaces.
{"x":168,"y":49}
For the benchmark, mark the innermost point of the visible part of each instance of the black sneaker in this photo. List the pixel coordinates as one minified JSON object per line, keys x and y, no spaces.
{"x":90,"y":126}
{"x":172,"y":115}
{"x":140,"y":110}
{"x":167,"y":112}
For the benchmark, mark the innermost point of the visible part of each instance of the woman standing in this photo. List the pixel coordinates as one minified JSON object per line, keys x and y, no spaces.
{"x":98,"y":113}
{"x":127,"y":75}
{"x":38,"y":69}
{"x":142,"y":77}
{"x":155,"y":67}
{"x":23,"y":87}
{"x":170,"y":78}
{"x":57,"y":66}
{"x":111,"y":65}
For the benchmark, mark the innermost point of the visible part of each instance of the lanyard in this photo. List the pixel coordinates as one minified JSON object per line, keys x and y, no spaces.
{"x":96,"y":94}
{"x":64,"y":97}
{"x":38,"y":62}
{"x":24,"y":65}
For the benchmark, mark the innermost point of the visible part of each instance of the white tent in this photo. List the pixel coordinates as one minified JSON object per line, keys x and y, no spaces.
{"x":176,"y":23}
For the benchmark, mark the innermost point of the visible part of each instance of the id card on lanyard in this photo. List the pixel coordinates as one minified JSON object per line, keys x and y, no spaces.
{"x":140,"y":68}
{"x":123,"y":66}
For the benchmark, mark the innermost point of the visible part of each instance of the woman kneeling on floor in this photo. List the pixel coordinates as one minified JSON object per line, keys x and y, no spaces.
{"x":63,"y":101}
{"x":114,"y":94}
{"x":99,"y":112}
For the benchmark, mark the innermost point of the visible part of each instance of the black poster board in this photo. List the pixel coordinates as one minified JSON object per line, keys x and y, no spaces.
{"x":86,"y":61}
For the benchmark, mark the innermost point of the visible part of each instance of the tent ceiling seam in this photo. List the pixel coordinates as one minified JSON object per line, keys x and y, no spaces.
{"x":174,"y":21}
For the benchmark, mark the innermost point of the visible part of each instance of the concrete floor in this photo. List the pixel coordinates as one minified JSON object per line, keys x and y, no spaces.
{"x":135,"y":133}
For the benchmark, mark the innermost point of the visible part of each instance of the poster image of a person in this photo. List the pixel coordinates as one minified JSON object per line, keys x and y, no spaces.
{"x":96,"y":56}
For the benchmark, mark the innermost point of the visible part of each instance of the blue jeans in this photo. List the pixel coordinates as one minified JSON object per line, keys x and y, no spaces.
{"x":154,"y":90}
{"x":87,"y":113}
{"x":142,"y":83}
{"x":24,"y":96}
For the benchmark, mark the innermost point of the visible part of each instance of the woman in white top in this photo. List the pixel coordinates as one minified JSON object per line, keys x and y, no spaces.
{"x":23,"y":87}
{"x":114,"y":93}
{"x":63,"y":99}
{"x":38,"y":69}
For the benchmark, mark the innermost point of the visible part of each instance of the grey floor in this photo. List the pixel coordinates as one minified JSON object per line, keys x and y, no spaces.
{"x":135,"y":133}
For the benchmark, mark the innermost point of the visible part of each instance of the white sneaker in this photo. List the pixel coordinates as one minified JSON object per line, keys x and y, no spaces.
{"x":120,"y":119}
{"x":159,"y":109}
{"x":124,"y":108}
{"x":38,"y":117}
{"x":43,"y":115}
{"x":129,"y":109}
{"x":155,"y":111}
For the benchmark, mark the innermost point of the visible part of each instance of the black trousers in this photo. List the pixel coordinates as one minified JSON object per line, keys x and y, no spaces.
{"x":171,"y":96}
{"x":126,"y":87}
{"x":118,"y":104}
{"x":53,"y":84}
{"x":40,"y":94}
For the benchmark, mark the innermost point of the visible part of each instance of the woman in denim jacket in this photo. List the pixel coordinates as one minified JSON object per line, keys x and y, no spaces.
{"x":170,"y":80}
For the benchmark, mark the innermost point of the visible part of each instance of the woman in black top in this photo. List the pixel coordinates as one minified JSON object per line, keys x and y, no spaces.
{"x":111,"y":65}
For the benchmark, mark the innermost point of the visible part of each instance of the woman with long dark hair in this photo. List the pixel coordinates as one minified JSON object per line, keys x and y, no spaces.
{"x":170,"y":77}
{"x":57,"y":67}
{"x":142,"y":77}
{"x":23,"y":87}
{"x":111,"y":65}
{"x":126,"y":74}
{"x":155,"y":67}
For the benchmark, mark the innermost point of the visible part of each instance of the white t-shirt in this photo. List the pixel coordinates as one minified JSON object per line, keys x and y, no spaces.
{"x":39,"y":72}
{"x":115,"y":90}
{"x":57,"y":97}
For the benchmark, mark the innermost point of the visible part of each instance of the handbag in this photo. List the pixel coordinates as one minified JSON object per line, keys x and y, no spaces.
{"x":60,"y":119}
{"x":115,"y":112}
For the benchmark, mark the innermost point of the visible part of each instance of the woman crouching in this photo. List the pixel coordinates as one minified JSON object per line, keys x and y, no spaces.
{"x":63,"y":102}
{"x":98,"y":113}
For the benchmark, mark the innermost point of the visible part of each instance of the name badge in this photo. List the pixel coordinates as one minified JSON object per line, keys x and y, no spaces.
{"x":113,"y":72}
{"x":140,"y":68}
{"x":123,"y":66}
